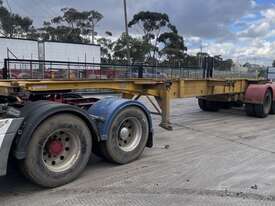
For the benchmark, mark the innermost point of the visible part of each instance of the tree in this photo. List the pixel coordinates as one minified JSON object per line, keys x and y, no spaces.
{"x":224,"y":65}
{"x":173,"y":47}
{"x":191,"y":61}
{"x":227,"y":65}
{"x":94,"y":18}
{"x":13,"y":25}
{"x":138,"y":49}
{"x":73,"y":26}
{"x":218,"y":58}
{"x":151,"y":24}
{"x":106,"y":47}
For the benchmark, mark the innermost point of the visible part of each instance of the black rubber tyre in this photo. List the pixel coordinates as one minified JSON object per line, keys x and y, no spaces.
{"x":249,"y":109}
{"x":112,"y":150}
{"x":209,"y":106}
{"x":225,"y":105}
{"x":262,"y":110}
{"x":237,"y":104}
{"x":34,"y":166}
{"x":7,"y":99}
{"x":272,"y":110}
{"x":202,"y":104}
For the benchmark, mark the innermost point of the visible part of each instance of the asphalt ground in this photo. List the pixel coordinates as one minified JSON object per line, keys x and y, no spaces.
{"x":221,"y":158}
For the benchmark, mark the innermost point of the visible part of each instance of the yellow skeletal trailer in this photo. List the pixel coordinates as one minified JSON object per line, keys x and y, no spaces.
{"x":53,"y":130}
{"x":214,"y":90}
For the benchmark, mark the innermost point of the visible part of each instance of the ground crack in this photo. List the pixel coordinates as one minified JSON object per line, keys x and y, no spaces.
{"x":162,"y":191}
{"x":227,"y":139}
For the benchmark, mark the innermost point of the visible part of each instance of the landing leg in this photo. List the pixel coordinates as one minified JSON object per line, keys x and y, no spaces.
{"x":164,"y":103}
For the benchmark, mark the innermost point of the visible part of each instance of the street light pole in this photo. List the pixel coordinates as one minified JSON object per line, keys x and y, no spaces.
{"x":126,"y":31}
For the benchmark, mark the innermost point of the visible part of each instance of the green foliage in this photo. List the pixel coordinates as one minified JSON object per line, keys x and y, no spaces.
{"x":173,"y":46}
{"x":13,"y":25}
{"x":106,"y":46}
{"x":73,"y":26}
{"x":224,"y":65}
{"x":191,"y":61}
{"x":151,"y":24}
{"x":138,"y":49}
{"x":108,"y":33}
{"x":94,"y":18}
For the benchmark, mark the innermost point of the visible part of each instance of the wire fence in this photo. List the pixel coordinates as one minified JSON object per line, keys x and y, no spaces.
{"x":58,"y":70}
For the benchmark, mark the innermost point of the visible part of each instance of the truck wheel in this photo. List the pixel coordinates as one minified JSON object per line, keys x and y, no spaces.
{"x":249,"y":109}
{"x":202,"y":104}
{"x":272,"y":111}
{"x":58,"y":151}
{"x":262,"y":110}
{"x":225,"y":105}
{"x":128,"y":135}
{"x":209,"y":106}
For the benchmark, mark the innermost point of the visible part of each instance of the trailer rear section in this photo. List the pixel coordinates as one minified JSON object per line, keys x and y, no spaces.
{"x":258,"y":99}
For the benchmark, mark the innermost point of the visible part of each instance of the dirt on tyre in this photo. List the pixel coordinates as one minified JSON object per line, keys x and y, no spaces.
{"x":58,"y":152}
{"x":127,"y":137}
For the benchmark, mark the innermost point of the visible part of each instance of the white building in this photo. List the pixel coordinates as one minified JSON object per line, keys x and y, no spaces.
{"x":52,"y":51}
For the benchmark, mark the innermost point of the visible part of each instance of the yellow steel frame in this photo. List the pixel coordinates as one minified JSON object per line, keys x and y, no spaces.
{"x":163,"y":91}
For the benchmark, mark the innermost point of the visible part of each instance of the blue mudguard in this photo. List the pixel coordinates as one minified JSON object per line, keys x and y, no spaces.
{"x":108,"y":108}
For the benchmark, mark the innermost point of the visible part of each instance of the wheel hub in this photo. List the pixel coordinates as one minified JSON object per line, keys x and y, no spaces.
{"x":124,"y":133}
{"x":61,"y":150}
{"x":56,"y":148}
{"x":130,"y":134}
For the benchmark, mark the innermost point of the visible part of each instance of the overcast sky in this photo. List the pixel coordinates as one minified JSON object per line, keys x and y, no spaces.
{"x":240,"y":29}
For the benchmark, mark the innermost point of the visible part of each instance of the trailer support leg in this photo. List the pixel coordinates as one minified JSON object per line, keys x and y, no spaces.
{"x":164,"y":103}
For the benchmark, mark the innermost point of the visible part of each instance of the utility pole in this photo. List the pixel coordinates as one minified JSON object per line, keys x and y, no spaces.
{"x":126,"y":32}
{"x":200,"y":56}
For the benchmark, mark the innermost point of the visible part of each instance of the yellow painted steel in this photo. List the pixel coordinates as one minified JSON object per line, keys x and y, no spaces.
{"x":194,"y":88}
{"x":162,"y":90}
{"x":176,"y":88}
{"x":122,"y":86}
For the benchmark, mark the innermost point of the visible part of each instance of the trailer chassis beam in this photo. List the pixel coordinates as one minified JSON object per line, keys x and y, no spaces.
{"x":162,"y":90}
